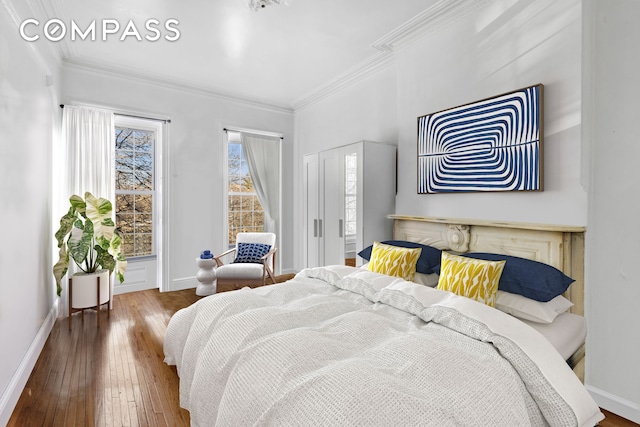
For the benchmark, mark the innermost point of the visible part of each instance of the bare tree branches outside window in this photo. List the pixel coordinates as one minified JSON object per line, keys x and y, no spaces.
{"x":351,"y":189}
{"x":244,"y":209}
{"x":134,"y":190}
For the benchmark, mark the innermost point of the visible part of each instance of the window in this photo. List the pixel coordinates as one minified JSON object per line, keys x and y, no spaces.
{"x":135,"y":189}
{"x":350,"y":196}
{"x":245,"y":213}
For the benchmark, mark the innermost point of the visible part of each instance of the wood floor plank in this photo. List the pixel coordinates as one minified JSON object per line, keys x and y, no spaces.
{"x":613,"y":420}
{"x":107,"y":376}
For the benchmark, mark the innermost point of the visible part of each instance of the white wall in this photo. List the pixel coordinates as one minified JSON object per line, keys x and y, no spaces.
{"x":613,"y":236}
{"x":27,"y":122}
{"x":367,"y":110}
{"x":196,"y":158}
{"x":589,"y":161}
{"x":505,"y":46}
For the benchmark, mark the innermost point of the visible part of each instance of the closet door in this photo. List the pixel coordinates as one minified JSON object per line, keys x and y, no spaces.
{"x":311,"y":210}
{"x":332,"y":207}
{"x":348,"y":193}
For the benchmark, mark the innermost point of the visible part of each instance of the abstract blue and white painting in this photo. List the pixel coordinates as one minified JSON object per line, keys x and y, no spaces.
{"x":490,"y":145}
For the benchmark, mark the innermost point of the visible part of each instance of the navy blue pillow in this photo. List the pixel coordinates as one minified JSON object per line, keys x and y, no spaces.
{"x":532,"y":279}
{"x":429,"y":258}
{"x":251,"y":252}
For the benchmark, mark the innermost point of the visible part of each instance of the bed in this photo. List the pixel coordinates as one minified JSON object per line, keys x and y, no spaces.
{"x":342,"y":345}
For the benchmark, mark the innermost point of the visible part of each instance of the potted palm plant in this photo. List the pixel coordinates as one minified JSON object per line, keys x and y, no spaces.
{"x":88,"y":235}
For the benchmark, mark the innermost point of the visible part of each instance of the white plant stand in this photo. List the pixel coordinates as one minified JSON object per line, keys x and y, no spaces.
{"x":206,"y":276}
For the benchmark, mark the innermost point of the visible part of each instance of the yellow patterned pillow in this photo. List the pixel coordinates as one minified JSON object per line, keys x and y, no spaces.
{"x":394,"y":260}
{"x":471,"y":278}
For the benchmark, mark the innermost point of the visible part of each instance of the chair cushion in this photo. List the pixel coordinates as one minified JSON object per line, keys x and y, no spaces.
{"x":251,"y":252}
{"x":240,"y":271}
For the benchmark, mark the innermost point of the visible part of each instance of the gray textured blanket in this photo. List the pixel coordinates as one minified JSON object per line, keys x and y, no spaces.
{"x":335,"y":349}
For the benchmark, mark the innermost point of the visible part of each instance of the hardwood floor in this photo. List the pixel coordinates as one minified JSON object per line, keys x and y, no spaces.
{"x":613,"y":420}
{"x":115,"y":375}
{"x":111,"y":376}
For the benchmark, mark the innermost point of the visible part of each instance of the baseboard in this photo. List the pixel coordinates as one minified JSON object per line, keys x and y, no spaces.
{"x":123,"y":289}
{"x":184,"y":283}
{"x":615,"y":404}
{"x":12,"y":393}
{"x":289,"y":271}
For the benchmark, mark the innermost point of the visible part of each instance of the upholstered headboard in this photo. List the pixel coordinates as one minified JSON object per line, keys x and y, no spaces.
{"x":556,"y":245}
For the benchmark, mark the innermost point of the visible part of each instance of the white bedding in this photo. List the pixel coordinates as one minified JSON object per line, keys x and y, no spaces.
{"x":344,"y":346}
{"x":566,"y":333}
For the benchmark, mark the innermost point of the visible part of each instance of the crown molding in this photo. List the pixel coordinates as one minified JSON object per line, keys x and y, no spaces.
{"x":66,"y":55}
{"x":46,"y":53}
{"x":170,"y":83}
{"x":43,"y":12}
{"x":366,"y":68}
{"x":55,"y":9}
{"x":440,"y":15}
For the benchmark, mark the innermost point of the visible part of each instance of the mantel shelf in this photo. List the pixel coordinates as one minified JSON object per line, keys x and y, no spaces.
{"x":486,"y":223}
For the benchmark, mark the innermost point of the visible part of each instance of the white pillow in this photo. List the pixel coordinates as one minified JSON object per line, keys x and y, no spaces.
{"x":430,"y":280}
{"x":535,"y":311}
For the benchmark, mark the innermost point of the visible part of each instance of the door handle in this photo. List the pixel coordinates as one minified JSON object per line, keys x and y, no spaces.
{"x":340,"y":228}
{"x":315,"y":228}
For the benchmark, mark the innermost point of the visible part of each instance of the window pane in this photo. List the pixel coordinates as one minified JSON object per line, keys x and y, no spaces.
{"x":124,"y":161}
{"x":247,"y":185}
{"x":143,"y":141}
{"x":134,"y":217}
{"x":244,"y":210}
{"x":143,"y":223}
{"x":143,"y":162}
{"x":246,"y":203}
{"x":234,"y":203}
{"x":235,"y":151}
{"x":143,"y":244}
{"x":144,"y":203}
{"x":125,"y":223}
{"x":143,"y":180}
{"x":124,"y":203}
{"x":134,"y":190}
{"x":134,"y":159}
{"x":234,"y":166}
{"x":124,"y":139}
{"x":235,"y":183}
{"x":232,"y":236}
{"x":259,"y":217}
{"x":124,"y":181}
{"x":127,"y":244}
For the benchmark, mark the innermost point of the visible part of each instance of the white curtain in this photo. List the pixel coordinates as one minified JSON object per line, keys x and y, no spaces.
{"x":88,"y":156}
{"x":263,"y":159}
{"x":88,"y":140}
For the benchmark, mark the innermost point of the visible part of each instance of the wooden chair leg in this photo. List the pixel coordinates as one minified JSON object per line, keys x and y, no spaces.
{"x":98,"y":304}
{"x":266,"y":271}
{"x":70,"y":292}
{"x":109,"y":302}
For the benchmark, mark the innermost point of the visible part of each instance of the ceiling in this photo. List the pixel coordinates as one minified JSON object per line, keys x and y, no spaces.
{"x":279,"y":55}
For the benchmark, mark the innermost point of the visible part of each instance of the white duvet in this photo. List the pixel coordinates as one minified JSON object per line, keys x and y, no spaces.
{"x":341,"y":346}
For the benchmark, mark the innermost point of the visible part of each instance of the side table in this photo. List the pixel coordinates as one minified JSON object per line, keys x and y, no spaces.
{"x":206,"y":276}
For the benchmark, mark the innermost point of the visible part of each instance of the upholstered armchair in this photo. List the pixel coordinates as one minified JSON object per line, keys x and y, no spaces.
{"x":254,"y":259}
